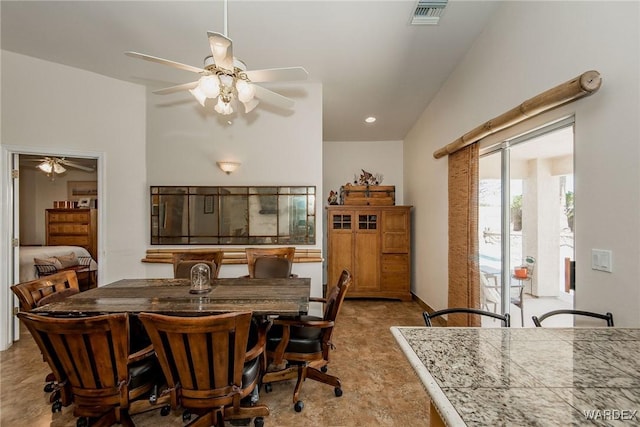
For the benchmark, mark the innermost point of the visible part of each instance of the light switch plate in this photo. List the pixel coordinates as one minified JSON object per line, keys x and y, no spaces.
{"x":601,"y":260}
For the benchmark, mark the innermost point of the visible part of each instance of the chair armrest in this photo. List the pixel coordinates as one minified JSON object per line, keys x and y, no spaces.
{"x":148,"y":351}
{"x":260,"y":345}
{"x":304,"y":323}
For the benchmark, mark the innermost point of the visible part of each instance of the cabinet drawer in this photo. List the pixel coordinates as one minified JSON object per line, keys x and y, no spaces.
{"x":395,"y":263}
{"x":66,"y":228}
{"x":69,"y":217}
{"x":395,"y":274}
{"x":68,"y":241}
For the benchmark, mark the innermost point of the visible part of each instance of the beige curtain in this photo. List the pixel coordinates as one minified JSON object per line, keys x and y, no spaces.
{"x":464,"y":289}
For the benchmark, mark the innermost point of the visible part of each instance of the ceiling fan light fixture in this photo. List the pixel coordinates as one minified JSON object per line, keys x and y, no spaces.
{"x":222,"y":107}
{"x":226,"y":80}
{"x":45,"y":166}
{"x":210,"y":86}
{"x":250,"y":105}
{"x":246,"y":91}
{"x":199,"y":95}
{"x":58,"y":168}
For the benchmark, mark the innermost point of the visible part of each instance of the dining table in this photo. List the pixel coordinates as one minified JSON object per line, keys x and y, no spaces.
{"x":527,"y":376}
{"x":263,"y":297}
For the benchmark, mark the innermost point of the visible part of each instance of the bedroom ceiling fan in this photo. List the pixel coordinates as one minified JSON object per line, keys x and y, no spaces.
{"x":226,"y":78}
{"x":56,"y":165}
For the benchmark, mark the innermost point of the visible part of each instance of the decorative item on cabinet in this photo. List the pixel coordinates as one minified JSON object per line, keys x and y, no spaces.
{"x":373,"y":242}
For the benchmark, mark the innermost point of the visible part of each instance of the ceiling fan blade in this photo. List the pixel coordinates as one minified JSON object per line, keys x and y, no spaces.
{"x":273,"y":98}
{"x":277,"y":74}
{"x":221,"y":49}
{"x":177,"y":88}
{"x":76,"y":165}
{"x":165,"y":62}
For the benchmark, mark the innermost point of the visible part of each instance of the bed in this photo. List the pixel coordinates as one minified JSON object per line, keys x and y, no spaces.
{"x":28,"y":253}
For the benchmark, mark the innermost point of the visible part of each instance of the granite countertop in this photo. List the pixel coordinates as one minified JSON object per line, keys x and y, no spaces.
{"x":528,"y":376}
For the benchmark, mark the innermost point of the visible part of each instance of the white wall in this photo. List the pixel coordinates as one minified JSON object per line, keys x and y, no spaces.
{"x":50,"y":108}
{"x":512,"y":60}
{"x":342,"y":160}
{"x":274,"y":148}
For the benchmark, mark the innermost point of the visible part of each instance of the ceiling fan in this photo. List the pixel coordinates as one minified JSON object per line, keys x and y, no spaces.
{"x":56,"y":165}
{"x":226,"y":78}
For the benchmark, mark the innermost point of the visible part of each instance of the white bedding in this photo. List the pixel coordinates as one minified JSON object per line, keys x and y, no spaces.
{"x":28,"y":253}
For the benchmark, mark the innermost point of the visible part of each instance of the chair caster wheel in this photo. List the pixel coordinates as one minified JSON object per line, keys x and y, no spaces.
{"x":55,"y":396}
{"x":337,"y":391}
{"x":268,"y":388}
{"x":165,"y":410}
{"x":324,"y":369}
{"x":82,"y":422}
{"x":186,"y":416}
{"x":258,"y":422}
{"x":298,"y":406}
{"x":56,"y":407}
{"x":49,"y":387}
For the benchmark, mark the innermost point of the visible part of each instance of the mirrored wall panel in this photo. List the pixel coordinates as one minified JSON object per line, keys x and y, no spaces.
{"x":233,"y":215}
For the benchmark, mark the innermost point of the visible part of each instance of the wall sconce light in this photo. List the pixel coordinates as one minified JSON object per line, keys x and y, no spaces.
{"x":228,"y":167}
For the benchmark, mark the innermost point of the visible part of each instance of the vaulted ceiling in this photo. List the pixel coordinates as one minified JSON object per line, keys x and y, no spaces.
{"x":369,"y":59}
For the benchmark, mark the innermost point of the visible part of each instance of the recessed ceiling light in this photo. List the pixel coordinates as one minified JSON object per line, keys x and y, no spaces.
{"x":370,"y":119}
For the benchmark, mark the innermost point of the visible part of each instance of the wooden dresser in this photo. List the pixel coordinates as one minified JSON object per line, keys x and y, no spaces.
{"x":374,"y":243}
{"x":73,"y":227}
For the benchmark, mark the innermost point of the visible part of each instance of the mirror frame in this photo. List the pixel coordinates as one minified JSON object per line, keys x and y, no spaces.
{"x":202,"y":215}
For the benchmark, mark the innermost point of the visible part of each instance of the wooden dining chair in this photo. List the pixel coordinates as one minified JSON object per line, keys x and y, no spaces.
{"x":207,"y":366}
{"x":305,"y":343}
{"x":91,"y":355}
{"x":428,"y":317}
{"x":608,"y":317}
{"x":41,"y":291}
{"x":49,"y":288}
{"x":270,"y":262}
{"x":184,"y":261}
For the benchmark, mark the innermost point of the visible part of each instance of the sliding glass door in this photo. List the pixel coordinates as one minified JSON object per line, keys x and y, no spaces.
{"x":525,"y":223}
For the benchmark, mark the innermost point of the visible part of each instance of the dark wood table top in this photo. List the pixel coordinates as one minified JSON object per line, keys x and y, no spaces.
{"x":171,"y":296}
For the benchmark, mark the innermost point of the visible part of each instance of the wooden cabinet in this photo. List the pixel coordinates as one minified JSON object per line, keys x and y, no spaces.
{"x":373,"y":242}
{"x":73,"y":227}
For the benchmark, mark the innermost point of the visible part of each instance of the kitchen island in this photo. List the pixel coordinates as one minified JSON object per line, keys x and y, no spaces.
{"x":527,"y":376}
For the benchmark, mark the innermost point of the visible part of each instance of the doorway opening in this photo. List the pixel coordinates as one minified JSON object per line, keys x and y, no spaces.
{"x":526,"y":216}
{"x":38,"y":180}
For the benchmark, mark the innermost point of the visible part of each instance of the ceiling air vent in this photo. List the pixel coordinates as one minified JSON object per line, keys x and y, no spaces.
{"x":428,"y":12}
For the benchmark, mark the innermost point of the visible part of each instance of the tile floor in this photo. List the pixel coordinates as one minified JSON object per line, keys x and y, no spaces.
{"x":380,"y":387}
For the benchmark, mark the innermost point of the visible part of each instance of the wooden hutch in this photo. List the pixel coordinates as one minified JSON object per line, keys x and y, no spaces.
{"x":374,"y":243}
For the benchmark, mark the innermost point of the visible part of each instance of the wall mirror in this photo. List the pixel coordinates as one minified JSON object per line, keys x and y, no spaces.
{"x":233,"y":215}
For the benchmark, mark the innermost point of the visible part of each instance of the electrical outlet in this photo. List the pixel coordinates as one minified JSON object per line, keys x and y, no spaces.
{"x":601,"y":260}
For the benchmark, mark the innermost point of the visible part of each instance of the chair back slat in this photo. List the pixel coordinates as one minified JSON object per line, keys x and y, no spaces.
{"x":91,"y":352}
{"x":202,"y":356}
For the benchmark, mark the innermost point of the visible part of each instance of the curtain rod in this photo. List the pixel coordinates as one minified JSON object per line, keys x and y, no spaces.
{"x":583,"y":85}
